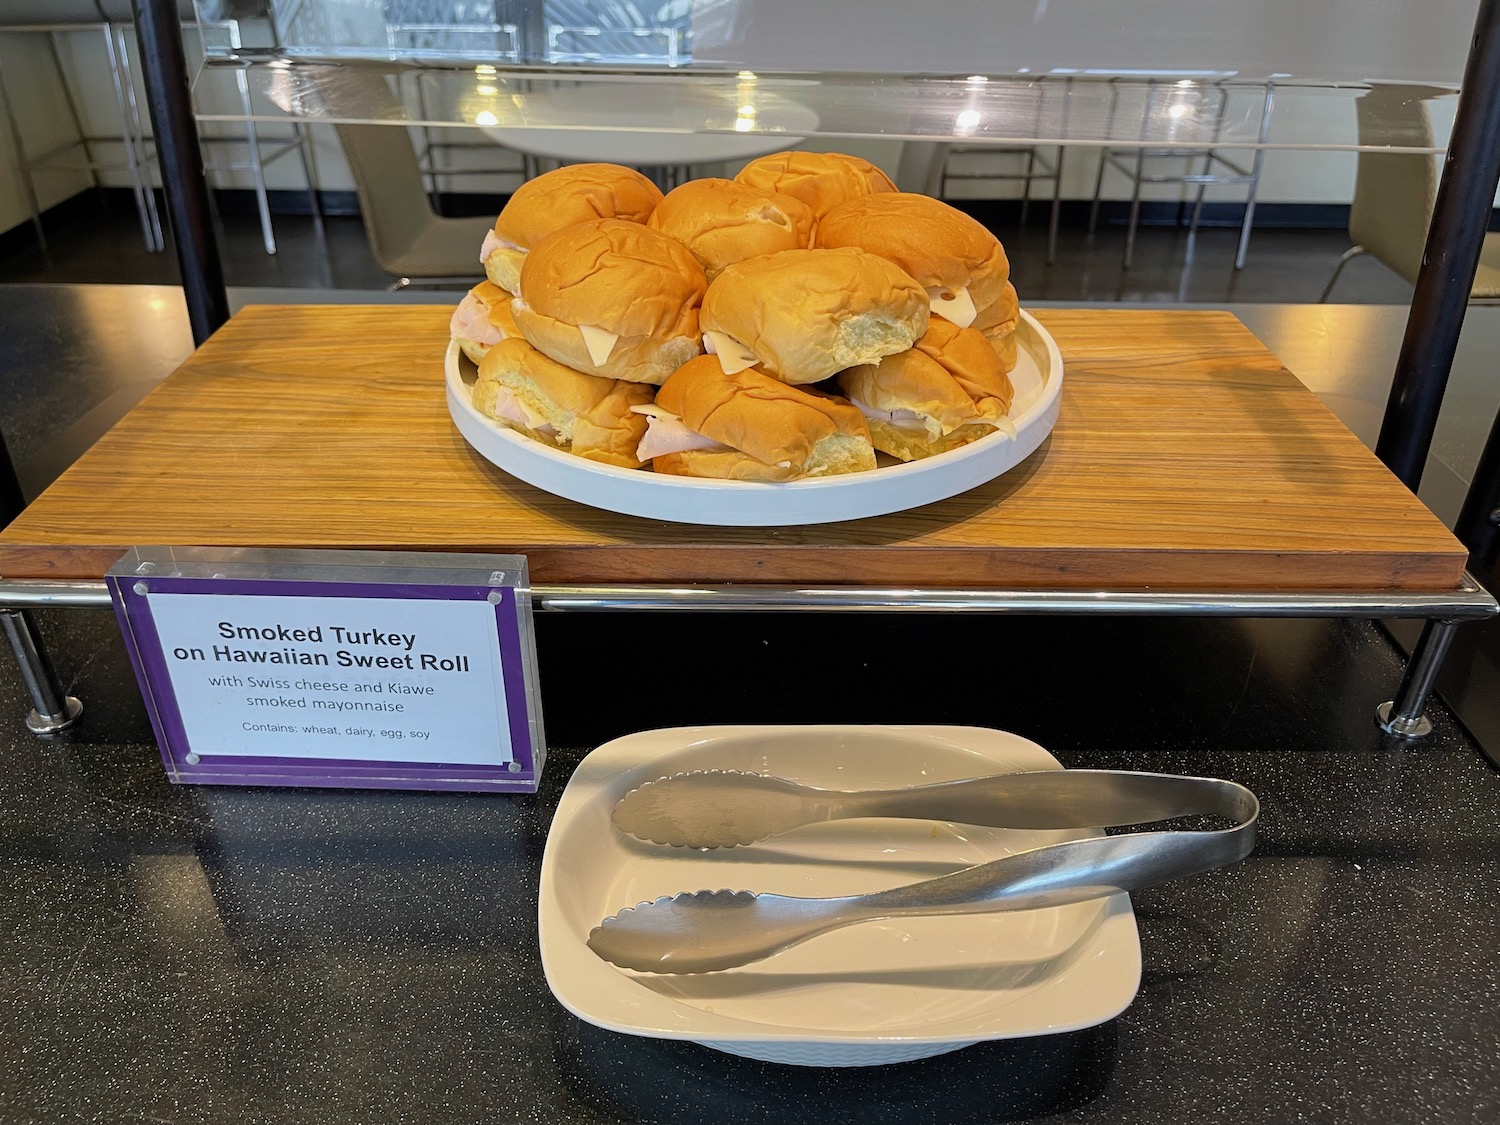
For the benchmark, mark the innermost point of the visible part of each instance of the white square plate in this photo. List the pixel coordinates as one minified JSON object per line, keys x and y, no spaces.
{"x":880,"y":992}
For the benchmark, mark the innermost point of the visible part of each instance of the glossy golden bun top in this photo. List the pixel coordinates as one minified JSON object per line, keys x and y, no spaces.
{"x":616,"y":275}
{"x":723,"y":222}
{"x":756,"y":414}
{"x":807,"y":314}
{"x":936,"y":244}
{"x":822,"y":180}
{"x":575,"y":194}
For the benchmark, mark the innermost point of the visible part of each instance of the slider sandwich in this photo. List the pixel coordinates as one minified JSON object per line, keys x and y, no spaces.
{"x":954,"y":257}
{"x":722,"y":222}
{"x":947,"y":391}
{"x":554,"y":200}
{"x":749,"y":426}
{"x":822,"y":180}
{"x":998,"y":322}
{"x":482,"y":320}
{"x":612,"y":298}
{"x":802,"y":315}
{"x":582,"y":414}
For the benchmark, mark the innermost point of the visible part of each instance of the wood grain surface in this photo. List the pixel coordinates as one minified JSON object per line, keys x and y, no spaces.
{"x":1185,"y":457}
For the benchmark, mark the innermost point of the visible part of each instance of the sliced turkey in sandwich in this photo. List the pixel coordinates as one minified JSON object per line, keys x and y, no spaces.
{"x":585,"y":415}
{"x":482,"y":320}
{"x":749,"y":426}
{"x":947,"y":391}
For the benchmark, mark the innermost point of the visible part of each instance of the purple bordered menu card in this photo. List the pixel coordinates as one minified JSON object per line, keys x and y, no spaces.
{"x":371,"y":669}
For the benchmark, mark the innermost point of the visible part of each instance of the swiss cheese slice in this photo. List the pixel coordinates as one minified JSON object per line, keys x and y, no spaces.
{"x":952,"y":304}
{"x":599,"y":342}
{"x":733,"y":355}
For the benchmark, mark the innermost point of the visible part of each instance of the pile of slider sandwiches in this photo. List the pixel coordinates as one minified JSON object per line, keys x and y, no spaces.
{"x":784,"y":324}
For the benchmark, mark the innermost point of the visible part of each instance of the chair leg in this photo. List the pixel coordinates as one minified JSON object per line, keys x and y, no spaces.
{"x":1239,"y":258}
{"x":140,"y":182}
{"x":1057,"y":175}
{"x":304,"y":156}
{"x":1026,"y":187}
{"x":25,"y":162}
{"x":1348,"y":256}
{"x":1135,"y":207}
{"x":1098,"y":187}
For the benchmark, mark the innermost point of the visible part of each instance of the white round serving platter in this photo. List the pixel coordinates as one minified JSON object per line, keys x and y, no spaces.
{"x":1038,"y":384}
{"x":882,"y":992}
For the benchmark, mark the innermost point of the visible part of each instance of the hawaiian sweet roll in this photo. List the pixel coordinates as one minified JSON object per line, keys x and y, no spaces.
{"x":582,"y":414}
{"x":802,"y":315}
{"x":612,"y":298}
{"x":947,"y":391}
{"x":482,"y":320}
{"x":723,"y":222}
{"x":999,"y":322}
{"x":749,"y":426}
{"x":954,"y":256}
{"x":576,"y":193}
{"x":822,"y":180}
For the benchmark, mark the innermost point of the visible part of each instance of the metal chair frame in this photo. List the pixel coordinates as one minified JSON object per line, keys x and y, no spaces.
{"x":139,"y":149}
{"x":1217,"y":170}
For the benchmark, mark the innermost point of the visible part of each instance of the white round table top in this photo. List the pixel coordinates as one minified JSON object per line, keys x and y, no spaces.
{"x":645,"y":123}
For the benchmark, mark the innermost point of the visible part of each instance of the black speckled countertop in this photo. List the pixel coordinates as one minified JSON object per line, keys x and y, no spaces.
{"x":203,"y":955}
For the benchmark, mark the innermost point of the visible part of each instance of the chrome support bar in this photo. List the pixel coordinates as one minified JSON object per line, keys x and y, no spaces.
{"x":1470,"y":602}
{"x":1402,"y":716}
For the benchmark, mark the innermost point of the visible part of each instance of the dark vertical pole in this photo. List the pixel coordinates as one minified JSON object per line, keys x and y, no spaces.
{"x":164,"y":68}
{"x":11,"y":498}
{"x":1465,"y":198}
{"x":1478,"y":523}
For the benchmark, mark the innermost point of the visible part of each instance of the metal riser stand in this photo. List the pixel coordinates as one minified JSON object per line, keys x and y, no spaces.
{"x":1402,"y":716}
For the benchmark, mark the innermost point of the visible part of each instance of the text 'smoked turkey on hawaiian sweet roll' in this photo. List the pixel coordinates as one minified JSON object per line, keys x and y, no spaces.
{"x":612,"y":298}
{"x":576,"y":193}
{"x":802,"y":315}
{"x":482,"y":320}
{"x":581,"y":414}
{"x":749,"y":426}
{"x":952,"y":255}
{"x":947,"y":391}
{"x":722,"y":222}
{"x":822,"y":180}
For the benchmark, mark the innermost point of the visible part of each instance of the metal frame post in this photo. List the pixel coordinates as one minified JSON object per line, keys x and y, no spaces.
{"x":1403,"y":716}
{"x":164,"y":67}
{"x":52,"y":709}
{"x":1465,"y":197}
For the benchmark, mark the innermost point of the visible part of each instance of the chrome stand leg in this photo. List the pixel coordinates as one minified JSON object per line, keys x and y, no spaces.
{"x":51,"y":710}
{"x":1403,"y":716}
{"x":1348,"y":256}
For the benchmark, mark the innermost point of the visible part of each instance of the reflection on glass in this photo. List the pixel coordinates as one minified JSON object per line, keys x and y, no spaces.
{"x":550,"y":32}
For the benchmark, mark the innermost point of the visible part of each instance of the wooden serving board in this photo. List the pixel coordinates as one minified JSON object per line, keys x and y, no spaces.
{"x":1185,"y":457}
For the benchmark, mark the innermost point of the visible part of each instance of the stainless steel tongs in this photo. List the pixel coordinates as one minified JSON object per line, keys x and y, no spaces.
{"x":711,"y":930}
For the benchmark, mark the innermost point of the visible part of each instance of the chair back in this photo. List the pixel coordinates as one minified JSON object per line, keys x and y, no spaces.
{"x":1394,"y":192}
{"x":392,"y":197}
